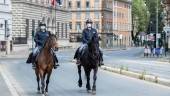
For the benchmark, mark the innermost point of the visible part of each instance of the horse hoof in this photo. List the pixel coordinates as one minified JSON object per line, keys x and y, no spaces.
{"x":80,"y":83}
{"x":88,"y":91}
{"x":46,"y":93}
{"x":93,"y":92}
{"x":38,"y":92}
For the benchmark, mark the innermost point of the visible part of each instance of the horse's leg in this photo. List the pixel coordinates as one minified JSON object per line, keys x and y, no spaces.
{"x":38,"y":79}
{"x":94,"y":80}
{"x":48,"y":80}
{"x":42,"y":75}
{"x":87,"y":72}
{"x":79,"y":73}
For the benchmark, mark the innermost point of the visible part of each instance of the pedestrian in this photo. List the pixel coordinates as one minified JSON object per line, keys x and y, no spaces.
{"x":149,"y":51}
{"x":161,"y":51}
{"x":145,"y":51}
{"x":154,"y":52}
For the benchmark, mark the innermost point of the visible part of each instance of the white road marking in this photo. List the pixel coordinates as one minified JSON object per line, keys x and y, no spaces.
{"x":12,"y":84}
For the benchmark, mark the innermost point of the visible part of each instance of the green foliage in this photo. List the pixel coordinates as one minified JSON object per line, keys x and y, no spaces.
{"x":140,"y":15}
{"x":152,"y":6}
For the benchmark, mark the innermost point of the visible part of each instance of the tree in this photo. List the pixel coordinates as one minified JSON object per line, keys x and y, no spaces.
{"x":140,"y":17}
{"x":151,"y":4}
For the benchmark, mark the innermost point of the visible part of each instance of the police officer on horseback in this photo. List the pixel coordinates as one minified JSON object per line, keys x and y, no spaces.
{"x":87,"y":34}
{"x":40,"y":38}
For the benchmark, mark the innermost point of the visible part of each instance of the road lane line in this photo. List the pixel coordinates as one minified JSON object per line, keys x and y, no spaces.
{"x":12,"y":84}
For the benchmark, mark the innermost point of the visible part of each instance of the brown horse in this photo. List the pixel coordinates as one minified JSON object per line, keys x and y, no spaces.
{"x":45,"y":62}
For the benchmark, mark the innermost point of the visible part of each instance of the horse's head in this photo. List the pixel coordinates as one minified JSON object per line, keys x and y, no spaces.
{"x":93,"y":46}
{"x":93,"y":43}
{"x":52,"y":42}
{"x":93,"y":49}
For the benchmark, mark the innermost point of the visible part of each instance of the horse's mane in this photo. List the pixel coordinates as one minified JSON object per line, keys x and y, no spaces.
{"x":47,"y":41}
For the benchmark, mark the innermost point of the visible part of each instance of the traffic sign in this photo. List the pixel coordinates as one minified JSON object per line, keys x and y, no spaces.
{"x":167,"y":30}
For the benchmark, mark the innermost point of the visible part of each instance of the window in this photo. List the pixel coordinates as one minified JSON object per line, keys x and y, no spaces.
{"x":78,"y":14}
{"x":70,"y":25}
{"x":1,"y":26}
{"x":96,"y":4}
{"x":78,"y":4}
{"x":27,"y":28}
{"x":87,"y":4}
{"x":33,"y":25}
{"x":66,"y":30}
{"x":6,"y":28}
{"x":62,"y":28}
{"x":69,"y":4}
{"x":97,"y":25}
{"x":58,"y":29}
{"x":97,"y":15}
{"x":78,"y":26}
{"x":87,"y":15}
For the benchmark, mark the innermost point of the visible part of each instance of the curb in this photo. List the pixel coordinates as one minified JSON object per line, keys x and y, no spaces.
{"x":141,"y":76}
{"x":65,"y":47}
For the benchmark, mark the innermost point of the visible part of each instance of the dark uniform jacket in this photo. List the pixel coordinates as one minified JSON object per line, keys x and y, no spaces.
{"x":88,"y":34}
{"x":40,"y":38}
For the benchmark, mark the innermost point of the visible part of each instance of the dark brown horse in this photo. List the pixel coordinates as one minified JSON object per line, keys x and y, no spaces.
{"x":45,"y":62}
{"x":90,"y":61}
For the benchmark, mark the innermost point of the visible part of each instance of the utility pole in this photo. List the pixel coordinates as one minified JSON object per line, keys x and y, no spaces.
{"x":157,"y":24}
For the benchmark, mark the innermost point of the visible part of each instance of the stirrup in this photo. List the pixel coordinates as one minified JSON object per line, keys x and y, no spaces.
{"x":101,"y":63}
{"x":78,"y":62}
{"x":56,"y":65}
{"x":33,"y":66}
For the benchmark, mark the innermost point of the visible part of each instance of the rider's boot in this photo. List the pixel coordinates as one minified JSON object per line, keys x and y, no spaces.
{"x":33,"y":62}
{"x":55,"y":62}
{"x":101,"y":63}
{"x":78,"y":61}
{"x":29,"y":60}
{"x":101,"y":59}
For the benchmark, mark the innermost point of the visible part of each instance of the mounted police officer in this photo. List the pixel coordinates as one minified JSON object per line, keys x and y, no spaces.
{"x":41,"y":36}
{"x":87,"y":34}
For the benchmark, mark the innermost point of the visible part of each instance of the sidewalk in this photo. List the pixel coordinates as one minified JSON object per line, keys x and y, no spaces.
{"x":162,"y":58}
{"x":23,"y":50}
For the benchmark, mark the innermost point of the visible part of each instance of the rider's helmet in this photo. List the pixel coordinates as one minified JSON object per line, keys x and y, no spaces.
{"x":89,"y":21}
{"x":42,"y":27}
{"x":42,"y":24}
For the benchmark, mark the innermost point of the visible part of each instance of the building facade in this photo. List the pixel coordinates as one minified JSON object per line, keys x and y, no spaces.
{"x":166,"y":20}
{"x":27,"y":14}
{"x":5,"y":22}
{"x":100,"y":11}
{"x":122,"y":21}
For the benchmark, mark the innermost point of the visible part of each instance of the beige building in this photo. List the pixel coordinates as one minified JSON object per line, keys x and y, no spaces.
{"x":28,"y":13}
{"x":122,"y":21}
{"x":5,"y":23}
{"x":100,"y":11}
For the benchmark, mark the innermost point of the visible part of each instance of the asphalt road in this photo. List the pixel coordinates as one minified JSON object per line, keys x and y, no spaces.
{"x":133,"y":60}
{"x":64,"y":81}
